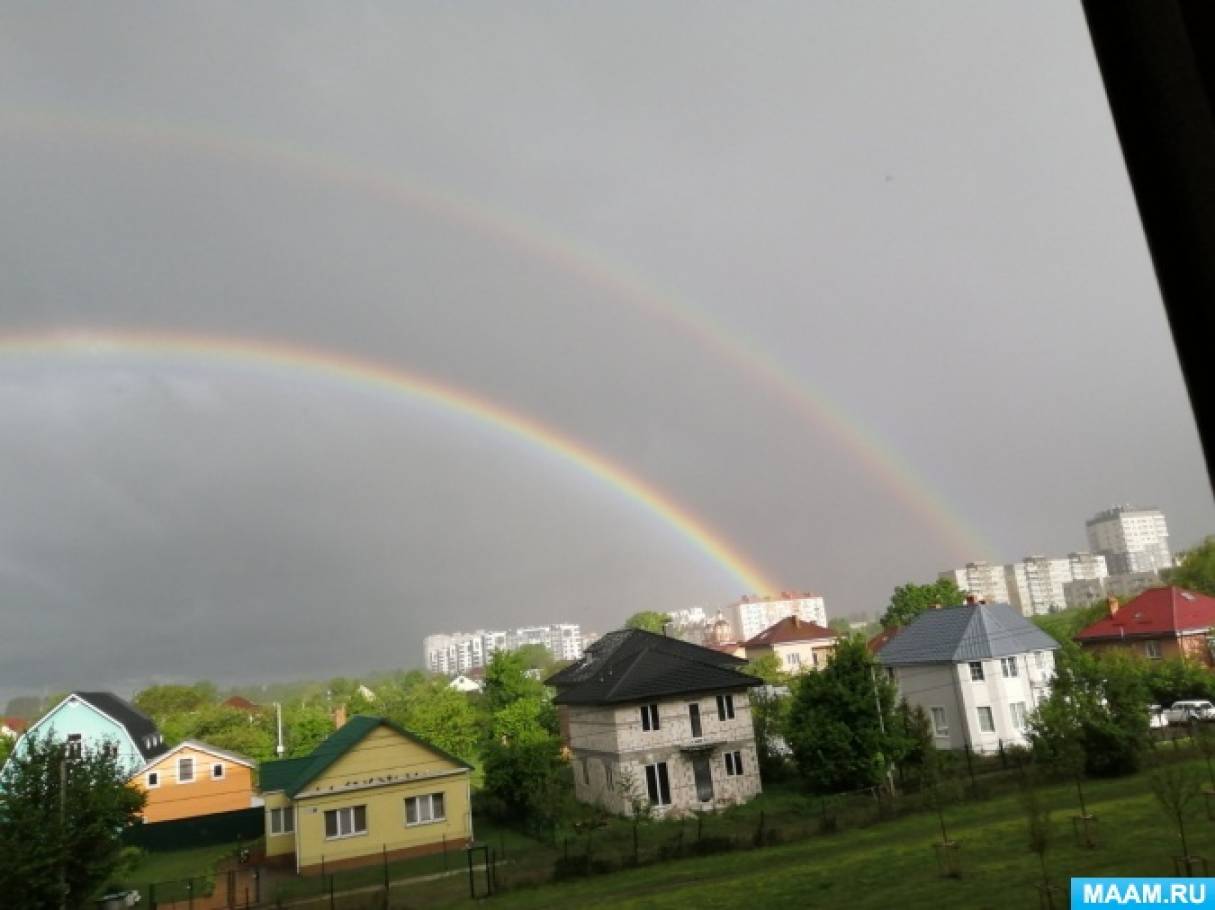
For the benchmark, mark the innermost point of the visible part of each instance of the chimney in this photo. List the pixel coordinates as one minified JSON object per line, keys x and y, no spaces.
{"x":339,"y":717}
{"x":935,"y":607}
{"x":1112,"y":604}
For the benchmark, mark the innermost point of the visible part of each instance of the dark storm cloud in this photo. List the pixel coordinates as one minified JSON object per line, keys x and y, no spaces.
{"x":917,"y":211}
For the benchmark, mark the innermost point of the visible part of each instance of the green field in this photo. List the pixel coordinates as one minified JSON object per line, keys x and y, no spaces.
{"x":884,"y":864}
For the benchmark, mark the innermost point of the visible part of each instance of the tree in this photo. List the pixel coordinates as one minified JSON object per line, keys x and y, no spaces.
{"x":1096,"y":708}
{"x":910,"y":600}
{"x":441,"y":715}
{"x":535,"y":656}
{"x":1196,"y":569}
{"x":159,"y":702}
{"x":648,"y":620}
{"x":506,"y":681}
{"x":55,"y":834}
{"x":227,"y":728}
{"x":768,"y":668}
{"x":840,"y":723}
{"x":1176,"y":787}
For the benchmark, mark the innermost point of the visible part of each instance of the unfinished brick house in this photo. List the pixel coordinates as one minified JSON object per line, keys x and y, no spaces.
{"x":656,"y":721}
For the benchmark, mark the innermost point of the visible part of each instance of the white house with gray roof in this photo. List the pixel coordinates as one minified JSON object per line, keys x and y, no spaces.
{"x":976,"y":670}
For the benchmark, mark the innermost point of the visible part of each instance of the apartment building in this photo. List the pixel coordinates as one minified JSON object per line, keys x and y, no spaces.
{"x":1131,"y":539}
{"x":751,"y":615}
{"x":457,"y":652}
{"x":982,"y":579}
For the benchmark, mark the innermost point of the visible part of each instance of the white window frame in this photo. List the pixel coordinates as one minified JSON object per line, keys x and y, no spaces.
{"x":1018,"y":717}
{"x":152,"y":781}
{"x":976,"y":666}
{"x":1040,"y":660}
{"x":285,"y":816}
{"x":725,"y":707}
{"x":654,"y":781}
{"x":650,"y":718}
{"x":75,"y":745}
{"x":427,"y":817}
{"x":991,"y":718}
{"x":1008,"y":667}
{"x":1151,"y":649}
{"x":349,"y":815}
{"x":181,"y":762}
{"x":793,"y":659}
{"x":940,"y":727}
{"x":221,"y":767}
{"x":734,"y":764}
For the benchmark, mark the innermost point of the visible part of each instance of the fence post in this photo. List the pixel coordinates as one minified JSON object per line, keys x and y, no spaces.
{"x":330,"y":891}
{"x":444,"y":852}
{"x":384,"y":848}
{"x":1003,"y":757}
{"x":190,"y":892}
{"x":152,"y":896}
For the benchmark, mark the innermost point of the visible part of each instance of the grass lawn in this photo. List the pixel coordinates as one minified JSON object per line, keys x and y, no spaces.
{"x":179,"y":864}
{"x":881,"y":865}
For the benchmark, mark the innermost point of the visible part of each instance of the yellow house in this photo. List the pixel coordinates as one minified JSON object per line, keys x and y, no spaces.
{"x":368,"y":790}
{"x":798,"y":644}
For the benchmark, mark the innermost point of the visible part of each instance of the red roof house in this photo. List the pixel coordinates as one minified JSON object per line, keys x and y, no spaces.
{"x":797,"y":644}
{"x":1160,"y":623}
{"x":12,"y":727}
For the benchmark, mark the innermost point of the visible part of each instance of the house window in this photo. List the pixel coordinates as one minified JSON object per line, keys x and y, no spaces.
{"x":814,"y":659}
{"x":109,"y":749}
{"x":610,"y":776}
{"x":734,"y":765}
{"x":694,"y":719}
{"x":586,"y":771}
{"x":1008,"y":667}
{"x":1040,"y":660}
{"x":422,"y":810}
{"x":1151,"y":650}
{"x":649,"y":717}
{"x":75,"y":745}
{"x":725,"y":707}
{"x":658,"y":784}
{"x":940,"y":726}
{"x":976,"y":671}
{"x":282,"y":821}
{"x":345,"y":822}
{"x":217,"y":771}
{"x":986,"y":723}
{"x":185,"y":770}
{"x":153,"y":780}
{"x":793,"y":659}
{"x":1017,"y":709}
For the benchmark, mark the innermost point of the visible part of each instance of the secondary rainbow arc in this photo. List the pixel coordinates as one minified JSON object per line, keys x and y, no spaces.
{"x":879,"y":457}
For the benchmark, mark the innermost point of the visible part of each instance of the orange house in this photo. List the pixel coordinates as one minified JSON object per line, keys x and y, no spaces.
{"x":195,"y":779}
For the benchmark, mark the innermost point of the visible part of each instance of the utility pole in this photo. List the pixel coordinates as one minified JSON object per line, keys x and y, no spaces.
{"x":278,"y":714}
{"x":877,"y":703}
{"x":63,"y":829}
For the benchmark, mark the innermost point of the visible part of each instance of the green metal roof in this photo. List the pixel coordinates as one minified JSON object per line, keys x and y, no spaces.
{"x":293,"y":774}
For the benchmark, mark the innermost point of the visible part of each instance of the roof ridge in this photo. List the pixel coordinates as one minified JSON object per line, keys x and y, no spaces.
{"x":630,"y":662}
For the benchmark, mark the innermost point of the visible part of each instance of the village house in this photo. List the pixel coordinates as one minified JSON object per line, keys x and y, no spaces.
{"x":977,"y":671}
{"x":94,"y":721}
{"x":372,"y":790}
{"x":1160,"y":623}
{"x":12,"y":727}
{"x":194,"y":779}
{"x":797,"y":643}
{"x":651,"y":720}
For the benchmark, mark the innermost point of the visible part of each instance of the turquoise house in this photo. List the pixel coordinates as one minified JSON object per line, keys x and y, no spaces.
{"x":89,"y":721}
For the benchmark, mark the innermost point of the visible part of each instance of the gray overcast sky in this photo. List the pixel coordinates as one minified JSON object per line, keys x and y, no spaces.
{"x":917,"y":209}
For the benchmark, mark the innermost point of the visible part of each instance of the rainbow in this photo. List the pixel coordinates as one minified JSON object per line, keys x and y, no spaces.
{"x":879,"y":458}
{"x":370,"y":375}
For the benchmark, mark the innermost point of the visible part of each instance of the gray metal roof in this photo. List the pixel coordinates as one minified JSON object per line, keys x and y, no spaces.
{"x":960,"y":634}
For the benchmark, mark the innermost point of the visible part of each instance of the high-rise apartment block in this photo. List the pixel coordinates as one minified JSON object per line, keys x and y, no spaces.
{"x":981,"y":579}
{"x":1036,"y":584}
{"x":458,"y":652}
{"x":1131,"y":540}
{"x":751,"y":615}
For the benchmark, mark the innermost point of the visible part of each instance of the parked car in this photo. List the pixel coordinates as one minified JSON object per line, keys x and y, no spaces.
{"x":1183,"y":712}
{"x":1157,"y":716}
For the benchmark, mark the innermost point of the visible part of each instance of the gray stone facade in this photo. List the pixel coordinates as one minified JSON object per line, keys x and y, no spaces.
{"x":612,"y":749}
